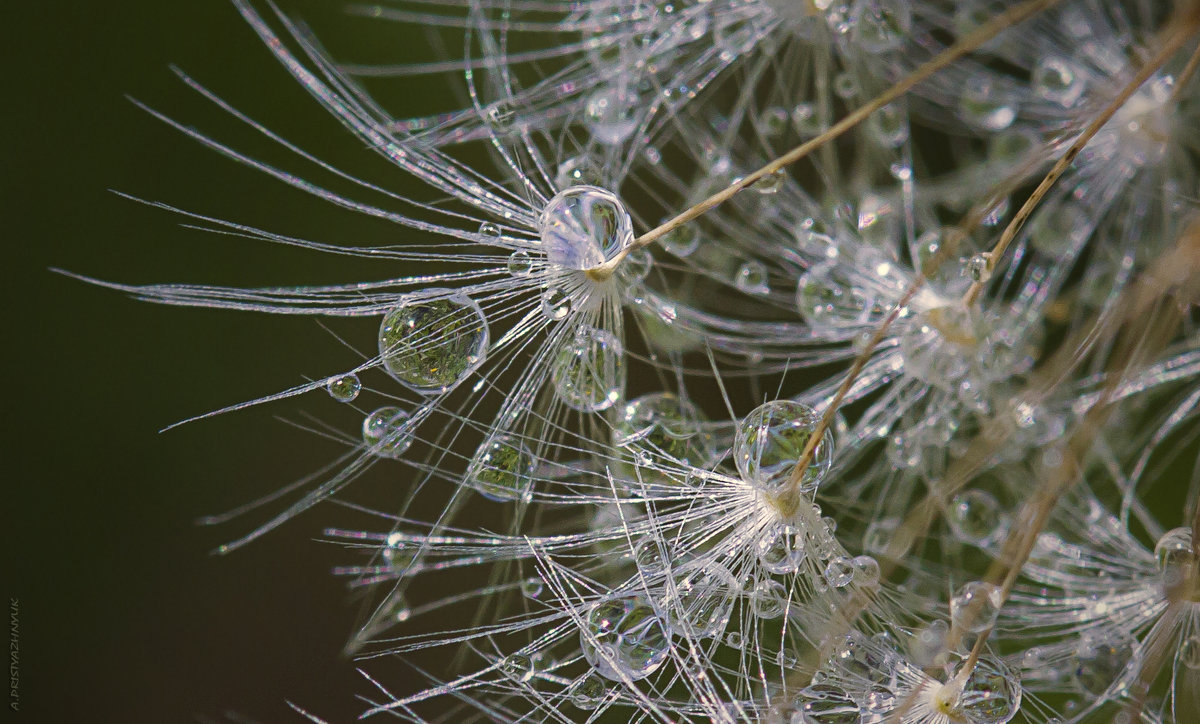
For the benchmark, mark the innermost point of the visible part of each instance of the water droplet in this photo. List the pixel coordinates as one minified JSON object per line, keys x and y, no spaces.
{"x":768,"y":599}
{"x":807,"y":120}
{"x":501,"y":117}
{"x":978,"y":267}
{"x":770,"y":441}
{"x":1059,"y":230}
{"x":623,"y":638}
{"x":889,"y":125}
{"x":975,"y":606}
{"x":991,"y":694}
{"x":663,"y":423}
{"x":433,"y":344}
{"x":589,"y":692}
{"x":827,"y":704}
{"x":845,"y":86}
{"x":974,"y":516}
{"x":556,"y":304}
{"x":343,"y":388}
{"x":701,"y":601}
{"x":532,"y":587}
{"x":1189,"y":652}
{"x":985,"y":106}
{"x":584,"y":226}
{"x":877,"y":26}
{"x":773,"y":121}
{"x":781,"y":549}
{"x":518,"y":667}
{"x":611,"y":115}
{"x":386,"y":431}
{"x":681,"y":241}
{"x":589,"y":372}
{"x":839,"y":572}
{"x":502,"y":469}
{"x":520,"y":263}
{"x":752,"y":278}
{"x":1056,"y":80}
{"x":1175,"y":556}
{"x":879,"y":702}
{"x":866,"y":570}
{"x":1101,"y":659}
{"x":770,"y":184}
{"x":578,"y":171}
{"x":489,"y":230}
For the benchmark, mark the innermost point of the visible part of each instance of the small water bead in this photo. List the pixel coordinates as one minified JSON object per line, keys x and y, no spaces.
{"x":490,"y":230}
{"x":518,"y":667}
{"x":985,"y":106}
{"x":735,"y":639}
{"x":1175,"y":556}
{"x":1189,"y":653}
{"x":623,"y":638}
{"x":991,"y":694}
{"x":501,"y":117}
{"x":578,"y":171}
{"x":827,"y":704}
{"x":866,"y":570}
{"x":520,"y":263}
{"x":502,"y":469}
{"x":879,"y":535}
{"x":702,"y":600}
{"x":649,"y":556}
{"x":1012,"y":146}
{"x":878,"y":704}
{"x":589,"y":372}
{"x":1101,"y":659}
{"x":680,"y":241}
{"x":584,"y":226}
{"x":877,"y":26}
{"x":386,"y":431}
{"x":1059,"y":230}
{"x":589,"y":692}
{"x":974,"y":516}
{"x":433,"y":344}
{"x":611,"y":115}
{"x":768,"y":599}
{"x":343,"y":388}
{"x":839,"y":572}
{"x":781,"y":549}
{"x":889,"y":125}
{"x":975,"y":606}
{"x":773,"y":121}
{"x":1055,"y":79}
{"x":807,"y":121}
{"x":770,"y":184}
{"x":928,"y":646}
{"x":751,"y":278}
{"x":770,"y":441}
{"x":845,"y":86}
{"x":635,"y":267}
{"x":978,"y":268}
{"x":664,"y":423}
{"x":555,"y":303}
{"x":532,"y":587}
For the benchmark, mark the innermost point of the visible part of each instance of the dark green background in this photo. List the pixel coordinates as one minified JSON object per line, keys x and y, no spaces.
{"x":124,"y":614}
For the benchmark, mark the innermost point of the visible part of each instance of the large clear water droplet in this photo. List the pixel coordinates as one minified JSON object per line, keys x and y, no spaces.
{"x":770,"y":441}
{"x":433,"y":344}
{"x":781,"y":549}
{"x":751,"y":278}
{"x":701,"y":601}
{"x":502,"y":469}
{"x":662,"y":423}
{"x":589,"y":371}
{"x":991,"y":694}
{"x":975,"y":517}
{"x":1055,"y":79}
{"x":624,"y":638}
{"x":584,"y":226}
{"x":1101,"y":659}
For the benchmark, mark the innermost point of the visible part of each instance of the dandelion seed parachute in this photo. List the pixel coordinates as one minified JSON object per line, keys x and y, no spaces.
{"x":629,"y":418}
